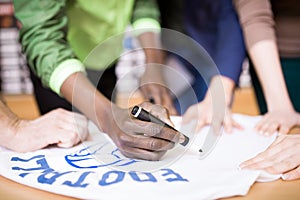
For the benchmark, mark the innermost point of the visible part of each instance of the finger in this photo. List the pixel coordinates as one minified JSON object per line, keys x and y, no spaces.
{"x":68,"y":140}
{"x":270,"y":156}
{"x":281,"y":166}
{"x":256,"y":164}
{"x":154,"y":130}
{"x":83,"y":130}
{"x":228,"y":125}
{"x":146,"y":105}
{"x":237,"y":125}
{"x":148,"y":143}
{"x":283,"y":129}
{"x":161,"y":113}
{"x":261,"y":123}
{"x":62,"y":138}
{"x":73,"y":132}
{"x":66,"y":144}
{"x":72,"y":129}
{"x":292,"y":175}
{"x":200,"y":124}
{"x":264,"y":129}
{"x":142,"y":154}
{"x":151,"y":91}
{"x":190,"y":114}
{"x":272,"y":128}
{"x":157,"y":98}
{"x":168,"y":103}
{"x":80,"y":123}
{"x":278,"y":140}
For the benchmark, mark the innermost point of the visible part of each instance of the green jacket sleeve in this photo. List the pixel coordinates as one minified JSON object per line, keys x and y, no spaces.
{"x":43,"y":38}
{"x":146,"y":15}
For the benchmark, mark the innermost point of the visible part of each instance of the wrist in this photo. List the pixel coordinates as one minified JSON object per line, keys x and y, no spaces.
{"x":220,"y":88}
{"x":104,"y":113}
{"x":298,"y":119}
{"x":12,"y":132}
{"x":277,"y":104}
{"x":155,"y":58}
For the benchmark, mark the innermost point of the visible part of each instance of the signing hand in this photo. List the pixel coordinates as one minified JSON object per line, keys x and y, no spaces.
{"x":140,"y":139}
{"x":59,"y":127}
{"x":282,"y":157}
{"x":281,"y":120}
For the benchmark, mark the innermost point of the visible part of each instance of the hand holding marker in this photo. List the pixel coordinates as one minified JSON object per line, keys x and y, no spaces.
{"x":143,"y":115}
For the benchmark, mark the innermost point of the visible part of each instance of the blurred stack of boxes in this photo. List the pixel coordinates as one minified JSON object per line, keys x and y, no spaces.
{"x":15,"y":78}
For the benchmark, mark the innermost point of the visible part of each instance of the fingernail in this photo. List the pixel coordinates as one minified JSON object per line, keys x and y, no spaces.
{"x":241,"y":166}
{"x":266,"y":133}
{"x":284,"y":177}
{"x":183,"y":140}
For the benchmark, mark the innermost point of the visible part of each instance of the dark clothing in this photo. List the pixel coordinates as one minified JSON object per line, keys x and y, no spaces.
{"x":48,"y":100}
{"x":215,"y":26}
{"x":291,"y":71}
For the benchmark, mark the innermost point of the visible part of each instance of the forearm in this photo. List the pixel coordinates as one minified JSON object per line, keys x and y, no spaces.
{"x":256,"y":18}
{"x":78,"y":90}
{"x":8,"y":121}
{"x":268,"y":68}
{"x":145,"y":22}
{"x":220,"y":87}
{"x":150,"y":42}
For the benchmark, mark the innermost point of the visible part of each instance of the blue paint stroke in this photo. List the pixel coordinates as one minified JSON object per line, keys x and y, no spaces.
{"x":79,"y":182}
{"x":86,"y":154}
{"x":177,"y":177}
{"x":42,"y":162}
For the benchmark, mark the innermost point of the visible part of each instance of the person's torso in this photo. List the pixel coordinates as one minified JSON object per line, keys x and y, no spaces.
{"x":287,"y":19}
{"x":92,"y":22}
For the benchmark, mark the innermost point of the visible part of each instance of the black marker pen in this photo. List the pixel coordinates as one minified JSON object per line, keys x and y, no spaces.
{"x":143,"y":115}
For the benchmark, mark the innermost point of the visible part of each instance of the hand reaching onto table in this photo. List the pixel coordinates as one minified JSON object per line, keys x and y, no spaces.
{"x":203,"y":113}
{"x":282,"y":120}
{"x":282,"y":157}
{"x":216,"y":104}
{"x":59,"y":126}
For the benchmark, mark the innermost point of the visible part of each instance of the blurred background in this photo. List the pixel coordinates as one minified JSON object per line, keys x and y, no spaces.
{"x":16,"y":86}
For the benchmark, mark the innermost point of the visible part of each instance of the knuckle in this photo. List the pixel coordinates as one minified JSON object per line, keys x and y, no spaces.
{"x":297,"y":172}
{"x":128,"y":124}
{"x":125,"y":153}
{"x":154,"y":130}
{"x":121,"y":146}
{"x":287,"y":164}
{"x":273,"y":169}
{"x":124,"y":139}
{"x":156,"y":156}
{"x":154,"y":144}
{"x":73,"y":136}
{"x":60,"y":111}
{"x":170,"y":145}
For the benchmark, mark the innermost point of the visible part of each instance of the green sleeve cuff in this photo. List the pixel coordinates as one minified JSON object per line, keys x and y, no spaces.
{"x":145,"y":25}
{"x":63,"y":71}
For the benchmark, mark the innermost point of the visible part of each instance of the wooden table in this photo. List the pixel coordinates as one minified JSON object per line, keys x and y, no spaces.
{"x":244,"y":103}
